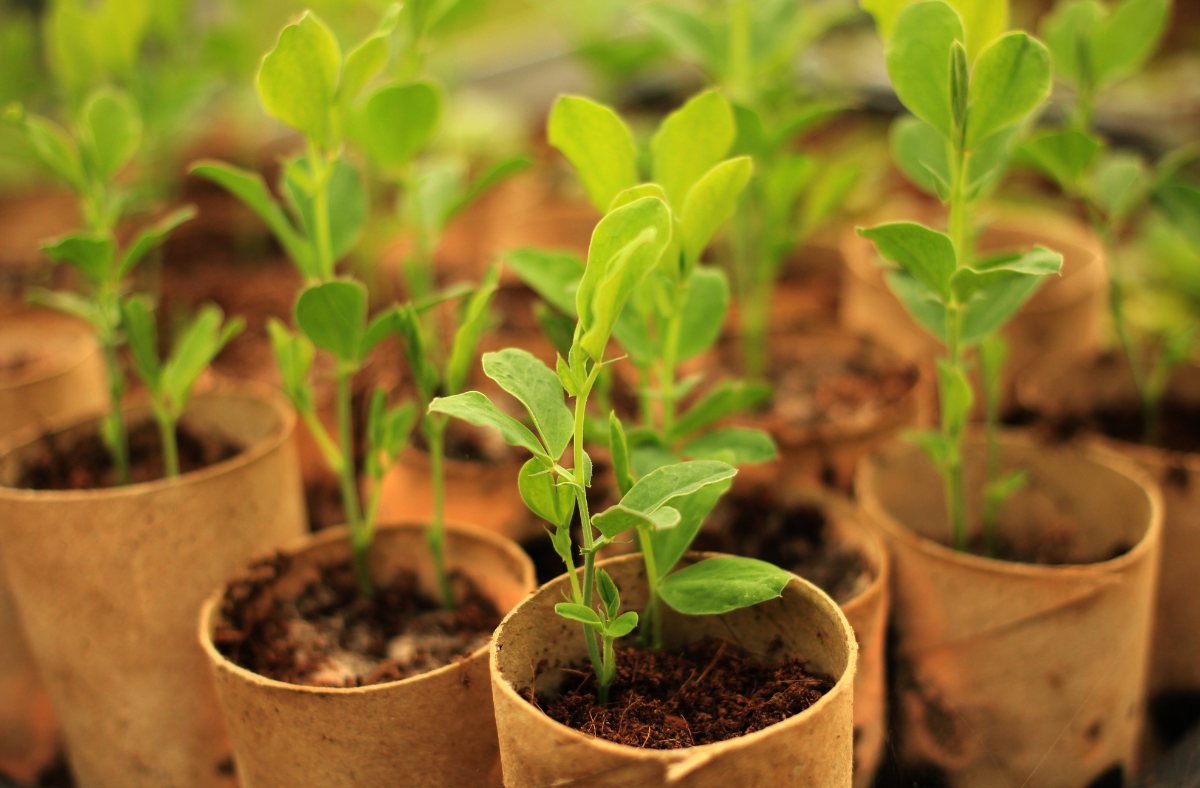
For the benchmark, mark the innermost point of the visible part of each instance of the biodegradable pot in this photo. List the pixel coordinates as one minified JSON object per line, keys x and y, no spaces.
{"x":1106,"y":384}
{"x":1061,"y":322}
{"x":108,"y":582}
{"x":1010,"y":673}
{"x":434,"y":730}
{"x":812,"y":749}
{"x":822,"y":434}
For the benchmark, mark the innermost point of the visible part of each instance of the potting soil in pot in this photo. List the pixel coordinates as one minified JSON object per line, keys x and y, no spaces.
{"x":793,"y":538}
{"x":330,"y":636}
{"x":710,"y":692}
{"x":86,"y":464}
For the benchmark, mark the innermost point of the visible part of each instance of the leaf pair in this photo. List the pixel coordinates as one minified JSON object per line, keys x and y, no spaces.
{"x":609,"y":622}
{"x":1094,"y":46}
{"x":388,"y":430}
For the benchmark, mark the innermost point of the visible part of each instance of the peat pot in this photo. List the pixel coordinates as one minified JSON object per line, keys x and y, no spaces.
{"x":812,"y":749}
{"x":435,"y":730}
{"x":108,"y":582}
{"x":1076,"y":396}
{"x":1017,"y":673}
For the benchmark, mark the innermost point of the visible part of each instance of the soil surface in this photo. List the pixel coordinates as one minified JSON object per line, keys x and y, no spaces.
{"x":707,"y":693}
{"x":87,"y":464}
{"x":793,"y":538}
{"x":330,"y":636}
{"x":1180,"y":429}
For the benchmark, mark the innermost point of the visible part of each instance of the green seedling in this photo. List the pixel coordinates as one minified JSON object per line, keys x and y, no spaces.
{"x":748,"y":48}
{"x":332,"y":316}
{"x":448,"y":380}
{"x":1094,"y":47}
{"x":88,"y":159}
{"x":957,"y":146}
{"x":678,"y":311}
{"x":665,"y":508}
{"x":170,"y":382}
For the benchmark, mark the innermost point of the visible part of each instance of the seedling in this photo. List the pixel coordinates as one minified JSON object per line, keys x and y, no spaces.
{"x":749,"y":48}
{"x":1093,"y":48}
{"x":104,"y":140}
{"x":332,"y":316}
{"x":170,"y":382}
{"x":628,"y":243}
{"x":957,"y":146}
{"x":678,"y":311}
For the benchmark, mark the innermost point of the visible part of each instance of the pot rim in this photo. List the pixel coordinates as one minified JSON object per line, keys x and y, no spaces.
{"x":895,"y":529}
{"x":240,"y":389}
{"x":843,"y":684}
{"x":210,"y":609}
{"x":87,"y":348}
{"x":847,"y":509}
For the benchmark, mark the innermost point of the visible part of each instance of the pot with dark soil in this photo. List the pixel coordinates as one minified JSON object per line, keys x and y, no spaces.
{"x":1098,"y":404}
{"x":757,"y":696}
{"x":1028,"y":667}
{"x":823,"y":538}
{"x":322,"y":687}
{"x":108,"y":579}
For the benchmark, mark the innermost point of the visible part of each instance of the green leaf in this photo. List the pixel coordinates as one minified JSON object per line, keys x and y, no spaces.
{"x":623,"y":625}
{"x":580,"y":613}
{"x":926,"y":254}
{"x":988,"y":162}
{"x":565,"y":376}
{"x":618,"y":519}
{"x":990,"y":271}
{"x":71,"y":304}
{"x":1069,"y":30}
{"x":294,"y":353}
{"x":552,"y":275}
{"x":710,"y":202}
{"x":955,"y":396}
{"x":333,"y":315}
{"x":553,"y":503}
{"x":466,"y":339}
{"x":347,"y":197}
{"x":408,"y":324}
{"x":921,"y":303}
{"x":1011,"y":78}
{"x":91,"y":255}
{"x":1120,"y":184}
{"x":298,"y":79}
{"x":657,"y":488}
{"x":524,"y":376}
{"x":703,"y":314}
{"x":193,"y":351}
{"x":983,"y":20}
{"x":141,"y":330}
{"x":598,"y":144}
{"x":720,"y":585}
{"x":1125,"y":39}
{"x":725,"y":398}
{"x":996,"y":303}
{"x":691,"y":141}
{"x":474,"y":408}
{"x":686,"y":32}
{"x":55,"y":148}
{"x":1181,"y":204}
{"x":646,"y":458}
{"x":249,"y":187}
{"x":626,"y":245}
{"x":492,"y":177}
{"x":670,"y":545}
{"x":610,"y":595}
{"x":150,"y":237}
{"x":366,"y":60}
{"x":619,"y":448}
{"x":381,"y":326}
{"x":1065,"y":155}
{"x":918,"y":60}
{"x":114,"y":130}
{"x":959,"y":86}
{"x":398,"y":122}
{"x":919,"y":150}
{"x":932,"y":442}
{"x":735,"y":445}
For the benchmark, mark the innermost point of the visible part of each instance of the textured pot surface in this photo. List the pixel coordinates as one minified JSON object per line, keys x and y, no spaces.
{"x":813,"y":748}
{"x":108,"y":583}
{"x":1011,"y":673}
{"x":435,"y":730}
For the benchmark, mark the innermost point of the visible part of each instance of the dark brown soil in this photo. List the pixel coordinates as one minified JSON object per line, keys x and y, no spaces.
{"x":818,"y":387}
{"x":707,"y":693}
{"x":87,"y":464}
{"x":1180,"y":426}
{"x":330,"y":636}
{"x":791,"y":538}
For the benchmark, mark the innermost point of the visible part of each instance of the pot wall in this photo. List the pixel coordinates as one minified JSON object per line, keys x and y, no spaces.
{"x":1018,"y":674}
{"x":812,"y":749}
{"x":108,"y":584}
{"x":435,"y":730}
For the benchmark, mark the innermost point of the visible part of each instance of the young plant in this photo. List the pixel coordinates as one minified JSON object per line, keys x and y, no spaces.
{"x":966,"y":114}
{"x":679,"y":310}
{"x":170,"y":382}
{"x":627,"y":244}
{"x":748,"y":48}
{"x":1093,"y":48}
{"x":332,"y":316}
{"x":105,"y":137}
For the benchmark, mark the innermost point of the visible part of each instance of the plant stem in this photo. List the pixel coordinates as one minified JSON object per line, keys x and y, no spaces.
{"x":118,"y":437}
{"x":960,"y":236}
{"x":989,"y":368}
{"x":360,"y":539}
{"x":436,"y":535}
{"x":654,"y":606}
{"x":319,"y":169}
{"x":610,"y":671}
{"x":666,"y":371}
{"x":755,"y":319}
{"x":585,"y":519}
{"x":170,"y":448}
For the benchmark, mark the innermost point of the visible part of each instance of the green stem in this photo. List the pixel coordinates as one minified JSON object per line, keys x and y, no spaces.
{"x":585,"y":519}
{"x":118,"y":436}
{"x":319,"y":170}
{"x":991,"y":508}
{"x":360,"y":539}
{"x":960,"y":235}
{"x":645,"y":401}
{"x":654,"y":606}
{"x":170,"y":448}
{"x":436,"y":536}
{"x":666,"y":371}
{"x":610,"y":671}
{"x":755,"y":320}
{"x":740,"y":78}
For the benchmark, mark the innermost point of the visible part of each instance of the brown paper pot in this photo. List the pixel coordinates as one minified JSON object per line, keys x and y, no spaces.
{"x":435,"y":730}
{"x":1018,"y":674}
{"x":1059,"y":323}
{"x":1106,"y":384}
{"x":108,"y":583}
{"x":812,"y":749}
